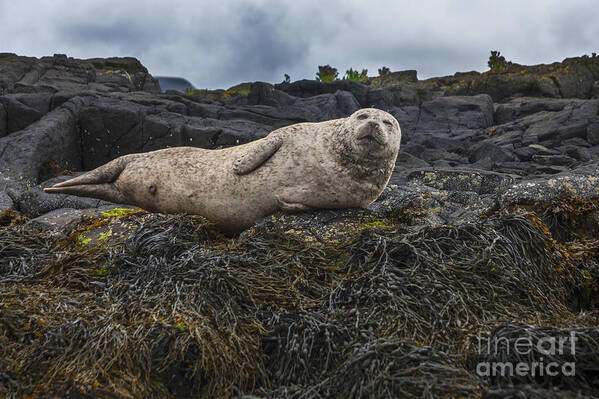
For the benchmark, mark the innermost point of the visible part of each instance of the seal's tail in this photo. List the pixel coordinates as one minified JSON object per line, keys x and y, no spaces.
{"x":97,"y":183}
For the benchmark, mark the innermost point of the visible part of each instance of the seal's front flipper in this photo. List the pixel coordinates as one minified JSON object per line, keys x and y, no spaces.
{"x":97,"y":183}
{"x":257,"y":155}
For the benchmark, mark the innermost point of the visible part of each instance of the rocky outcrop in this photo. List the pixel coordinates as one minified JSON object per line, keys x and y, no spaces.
{"x":492,"y":213}
{"x":61,"y":73}
{"x":59,"y":115}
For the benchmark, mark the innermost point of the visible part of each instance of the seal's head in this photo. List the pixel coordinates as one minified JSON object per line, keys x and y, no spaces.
{"x":372,"y":134}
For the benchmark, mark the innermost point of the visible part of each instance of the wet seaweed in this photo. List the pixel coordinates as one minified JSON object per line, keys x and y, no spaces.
{"x":176,"y":309}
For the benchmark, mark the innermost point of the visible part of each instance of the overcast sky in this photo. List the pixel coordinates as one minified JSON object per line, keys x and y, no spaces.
{"x":216,"y":44}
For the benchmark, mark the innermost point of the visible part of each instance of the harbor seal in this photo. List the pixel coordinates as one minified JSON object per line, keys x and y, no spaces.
{"x":341,"y":163}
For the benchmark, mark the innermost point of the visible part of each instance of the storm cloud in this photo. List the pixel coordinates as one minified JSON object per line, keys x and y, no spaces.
{"x":219,"y":44}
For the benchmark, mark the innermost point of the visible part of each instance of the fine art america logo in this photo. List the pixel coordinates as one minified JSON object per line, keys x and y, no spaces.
{"x":534,"y":356}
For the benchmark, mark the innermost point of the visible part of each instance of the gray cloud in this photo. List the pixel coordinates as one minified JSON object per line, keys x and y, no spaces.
{"x":218,"y":44}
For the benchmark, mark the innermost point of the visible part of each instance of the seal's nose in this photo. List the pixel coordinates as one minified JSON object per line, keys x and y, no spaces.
{"x":373,"y":125}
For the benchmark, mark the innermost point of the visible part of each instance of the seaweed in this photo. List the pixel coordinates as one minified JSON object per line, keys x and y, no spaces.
{"x":178,"y":310}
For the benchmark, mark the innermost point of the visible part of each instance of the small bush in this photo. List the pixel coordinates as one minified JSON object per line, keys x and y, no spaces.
{"x":326,"y":73}
{"x":497,"y":62}
{"x":356,"y":76}
{"x":287,"y":79}
{"x":384,"y":71}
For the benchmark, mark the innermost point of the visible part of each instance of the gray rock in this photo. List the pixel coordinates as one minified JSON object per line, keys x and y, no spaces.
{"x":3,"y":121}
{"x":595,"y":90}
{"x":266,"y":94}
{"x":35,"y":201}
{"x":463,"y":180}
{"x":524,"y":106}
{"x":61,"y":220}
{"x":18,"y":115}
{"x":311,"y":88}
{"x":64,"y":220}
{"x":581,"y":183}
{"x":408,"y":161}
{"x":52,"y":74}
{"x":53,"y":139}
{"x":578,"y":153}
{"x":593,"y":131}
{"x":558,"y":160}
{"x":492,"y":151}
{"x":570,"y":122}
{"x":455,"y":114}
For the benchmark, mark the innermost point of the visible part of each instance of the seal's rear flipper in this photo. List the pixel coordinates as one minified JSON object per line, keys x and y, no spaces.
{"x":97,"y":183}
{"x":256,"y":155}
{"x":106,"y":192}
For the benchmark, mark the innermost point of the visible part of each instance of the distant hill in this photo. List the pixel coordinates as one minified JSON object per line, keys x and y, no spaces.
{"x":173,"y":83}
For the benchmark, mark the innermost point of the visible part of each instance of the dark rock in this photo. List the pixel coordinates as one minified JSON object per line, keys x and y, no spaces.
{"x":487,"y":149}
{"x":393,"y":78}
{"x":579,"y":153}
{"x":538,"y":169}
{"x":51,"y":139}
{"x":440,"y":157}
{"x":456,"y":113}
{"x":521,"y":107}
{"x":310,"y":88}
{"x":18,"y":115}
{"x":559,"y":160}
{"x":570,"y":122}
{"x":265,"y":94}
{"x":64,"y":220}
{"x":576,"y":142}
{"x":477,"y":181}
{"x":420,"y":204}
{"x":572,"y":78}
{"x":582,"y":183}
{"x":321,"y":225}
{"x":52,"y":74}
{"x":593,"y":132}
{"x":61,"y":220}
{"x":595,"y":90}
{"x":109,"y":128}
{"x":3,"y":121}
{"x":414,"y":149}
{"x":577,"y":82}
{"x":35,"y":201}
{"x":400,"y":95}
{"x":9,"y":188}
{"x":408,"y":161}
{"x":204,"y":110}
{"x":408,"y":119}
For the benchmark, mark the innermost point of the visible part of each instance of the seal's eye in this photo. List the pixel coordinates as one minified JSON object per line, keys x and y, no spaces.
{"x":388,"y":122}
{"x":362,"y":116}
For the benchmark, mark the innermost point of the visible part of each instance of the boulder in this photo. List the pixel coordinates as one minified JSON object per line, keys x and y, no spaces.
{"x":463,"y":180}
{"x":35,"y":201}
{"x":51,"y":74}
{"x":592,"y":135}
{"x":53,"y":140}
{"x":488,"y":149}
{"x":3,"y":121}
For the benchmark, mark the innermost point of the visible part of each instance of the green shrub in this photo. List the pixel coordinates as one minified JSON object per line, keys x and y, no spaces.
{"x":326,"y":73}
{"x":384,"y":71}
{"x":497,"y":62}
{"x":356,"y":76}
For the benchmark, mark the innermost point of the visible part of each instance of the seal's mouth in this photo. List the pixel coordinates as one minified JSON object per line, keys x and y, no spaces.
{"x":370,"y":138}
